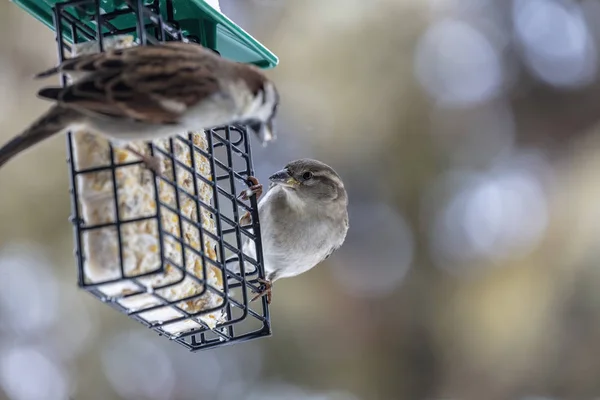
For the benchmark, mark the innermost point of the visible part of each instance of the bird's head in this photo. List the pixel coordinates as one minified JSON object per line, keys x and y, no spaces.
{"x":312,"y":180}
{"x":262,"y":108}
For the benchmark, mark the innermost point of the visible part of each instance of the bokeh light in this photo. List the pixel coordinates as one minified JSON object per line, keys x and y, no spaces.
{"x":27,"y":374}
{"x":137,"y":368}
{"x":28,"y":290}
{"x":556,"y":41}
{"x":498,"y":214}
{"x":382,"y":232}
{"x":457,"y":65}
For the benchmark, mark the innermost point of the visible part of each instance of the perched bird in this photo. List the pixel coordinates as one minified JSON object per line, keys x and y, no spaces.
{"x":303,"y":219}
{"x":149,"y":92}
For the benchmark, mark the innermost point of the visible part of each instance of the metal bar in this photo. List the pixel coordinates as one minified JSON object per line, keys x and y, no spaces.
{"x":238,"y":238}
{"x":141,"y":27}
{"x":257,"y":233}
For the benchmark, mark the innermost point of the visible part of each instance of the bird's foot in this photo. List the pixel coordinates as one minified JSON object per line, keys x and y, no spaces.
{"x":246,"y":219}
{"x":153,"y":163}
{"x":255,"y":188}
{"x":265,"y":290}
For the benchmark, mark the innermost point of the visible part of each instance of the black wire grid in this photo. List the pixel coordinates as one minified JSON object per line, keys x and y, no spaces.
{"x":229,"y":154}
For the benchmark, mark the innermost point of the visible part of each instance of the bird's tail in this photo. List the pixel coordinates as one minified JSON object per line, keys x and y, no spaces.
{"x":52,"y":122}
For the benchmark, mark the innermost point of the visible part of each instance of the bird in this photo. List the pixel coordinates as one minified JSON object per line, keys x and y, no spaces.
{"x":149,"y":92}
{"x":303,"y":220}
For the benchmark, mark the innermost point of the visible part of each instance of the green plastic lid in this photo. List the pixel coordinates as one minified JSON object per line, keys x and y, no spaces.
{"x":195,"y":18}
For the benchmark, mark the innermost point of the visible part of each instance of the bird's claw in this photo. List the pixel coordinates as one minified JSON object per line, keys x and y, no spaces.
{"x":246,"y":219}
{"x":153,"y":163}
{"x":265,"y":290}
{"x":255,"y":188}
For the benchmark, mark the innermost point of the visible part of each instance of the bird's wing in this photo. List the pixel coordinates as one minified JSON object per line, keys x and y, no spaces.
{"x":154,"y":84}
{"x":331,"y":251}
{"x":337,"y":246}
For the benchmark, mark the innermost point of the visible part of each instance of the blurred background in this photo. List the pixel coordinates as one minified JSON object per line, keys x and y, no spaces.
{"x":467,"y":132}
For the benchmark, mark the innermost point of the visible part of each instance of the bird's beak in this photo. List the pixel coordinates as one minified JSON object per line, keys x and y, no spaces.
{"x":284,"y":178}
{"x":264,"y":131}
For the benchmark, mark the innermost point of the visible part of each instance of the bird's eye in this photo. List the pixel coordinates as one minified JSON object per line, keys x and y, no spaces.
{"x":307,"y":175}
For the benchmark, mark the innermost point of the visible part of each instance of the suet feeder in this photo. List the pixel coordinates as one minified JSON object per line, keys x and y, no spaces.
{"x":159,"y":248}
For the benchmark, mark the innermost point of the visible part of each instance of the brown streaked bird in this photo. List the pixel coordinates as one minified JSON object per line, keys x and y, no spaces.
{"x":149,"y":92}
{"x":303,"y":219}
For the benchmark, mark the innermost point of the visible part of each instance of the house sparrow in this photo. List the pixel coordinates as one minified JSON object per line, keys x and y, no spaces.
{"x":303,"y":219}
{"x":149,"y":92}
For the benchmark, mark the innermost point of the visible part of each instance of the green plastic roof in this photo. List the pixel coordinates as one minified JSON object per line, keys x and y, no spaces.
{"x":195,"y":18}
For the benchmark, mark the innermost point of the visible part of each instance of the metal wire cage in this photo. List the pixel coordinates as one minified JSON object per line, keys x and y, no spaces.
{"x":227,"y":152}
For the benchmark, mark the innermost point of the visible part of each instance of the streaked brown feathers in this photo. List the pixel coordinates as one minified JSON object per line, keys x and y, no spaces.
{"x":52,"y":122}
{"x":137,"y":82}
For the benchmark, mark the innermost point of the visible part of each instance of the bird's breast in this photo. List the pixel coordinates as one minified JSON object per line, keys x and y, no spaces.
{"x":294,"y":242}
{"x":217,"y":110}
{"x":125,"y":130}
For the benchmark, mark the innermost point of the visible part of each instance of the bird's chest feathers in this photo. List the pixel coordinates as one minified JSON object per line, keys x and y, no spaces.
{"x":295,"y":238}
{"x":217,"y":110}
{"x":233,"y":103}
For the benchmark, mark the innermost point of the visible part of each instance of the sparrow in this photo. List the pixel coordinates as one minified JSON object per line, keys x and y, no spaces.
{"x":149,"y":92}
{"x":303,"y":219}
